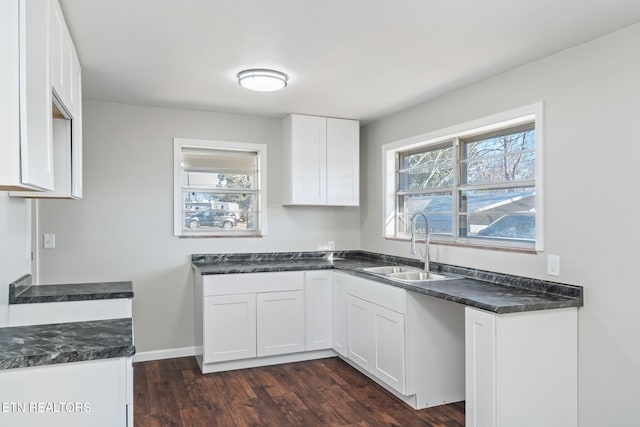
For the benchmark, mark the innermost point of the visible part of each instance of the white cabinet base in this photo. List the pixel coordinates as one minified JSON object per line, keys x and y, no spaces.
{"x":230,"y":365}
{"x":522,"y":368}
{"x":92,"y":393}
{"x":435,"y":350}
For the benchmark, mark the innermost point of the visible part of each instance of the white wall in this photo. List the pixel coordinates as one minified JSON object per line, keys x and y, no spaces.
{"x":591,"y":96}
{"x":122,"y":228}
{"x":14,"y":246}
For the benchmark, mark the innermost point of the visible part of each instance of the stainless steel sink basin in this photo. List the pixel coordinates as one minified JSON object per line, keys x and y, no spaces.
{"x":417,"y":276}
{"x":405,"y":274}
{"x":391,"y":269}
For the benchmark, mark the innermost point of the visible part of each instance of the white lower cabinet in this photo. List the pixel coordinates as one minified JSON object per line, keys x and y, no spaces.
{"x":318,"y":305}
{"x":255,"y":319}
{"x":229,"y":327}
{"x":376,"y":341}
{"x":389,"y":347}
{"x":521,"y":368}
{"x":339,"y":309}
{"x":281,"y":323}
{"x":410,"y":343}
{"x":77,"y":394}
{"x":253,"y":325}
{"x":359,"y":332}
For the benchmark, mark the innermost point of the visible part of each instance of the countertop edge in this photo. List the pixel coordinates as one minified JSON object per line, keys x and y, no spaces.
{"x":71,"y":298}
{"x":30,"y":361}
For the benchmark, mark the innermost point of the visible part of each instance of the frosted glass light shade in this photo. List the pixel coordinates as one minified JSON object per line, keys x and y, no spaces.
{"x":262,"y":80}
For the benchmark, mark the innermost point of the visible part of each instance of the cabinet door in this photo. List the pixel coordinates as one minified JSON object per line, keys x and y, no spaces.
{"x":280,"y":318}
{"x":343,"y":159}
{"x":62,"y":53}
{"x":339,"y":308}
{"x":76,"y":130}
{"x":389,"y":347}
{"x":305,"y":156}
{"x":36,"y":148}
{"x":360,"y":332}
{"x":10,"y":95}
{"x":318,"y":290}
{"x":229,"y":327}
{"x":480,"y":366}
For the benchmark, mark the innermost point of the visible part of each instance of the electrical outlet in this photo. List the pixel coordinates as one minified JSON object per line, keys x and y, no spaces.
{"x":553,"y":265}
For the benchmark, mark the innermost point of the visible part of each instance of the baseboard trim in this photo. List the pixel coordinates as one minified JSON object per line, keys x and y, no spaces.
{"x":169,"y":353}
{"x":254,"y":362}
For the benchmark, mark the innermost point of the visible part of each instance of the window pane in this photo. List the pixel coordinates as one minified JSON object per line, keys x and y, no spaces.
{"x":427,"y":169}
{"x":211,"y":168}
{"x":220,"y":180}
{"x":502,"y":158}
{"x":498,"y":213}
{"x":437,"y":208}
{"x":221,"y":211}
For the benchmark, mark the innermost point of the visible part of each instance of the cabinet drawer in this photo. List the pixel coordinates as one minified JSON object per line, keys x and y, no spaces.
{"x":232,"y":284}
{"x":378,"y":293}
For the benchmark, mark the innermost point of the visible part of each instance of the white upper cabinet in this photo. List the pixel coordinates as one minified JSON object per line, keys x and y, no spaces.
{"x":62,"y":53}
{"x":26,"y":149}
{"x":321,"y":161}
{"x":64,"y":117}
{"x":343,"y":160}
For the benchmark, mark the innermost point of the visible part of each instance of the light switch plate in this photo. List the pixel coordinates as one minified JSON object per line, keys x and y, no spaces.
{"x":49,"y":241}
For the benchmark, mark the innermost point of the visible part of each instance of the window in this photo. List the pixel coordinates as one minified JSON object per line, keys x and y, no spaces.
{"x":219,"y":188}
{"x":476,"y":184}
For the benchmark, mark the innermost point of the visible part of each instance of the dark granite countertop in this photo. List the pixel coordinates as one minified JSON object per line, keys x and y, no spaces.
{"x":22,"y":292}
{"x":36,"y":345}
{"x":495,"y":292}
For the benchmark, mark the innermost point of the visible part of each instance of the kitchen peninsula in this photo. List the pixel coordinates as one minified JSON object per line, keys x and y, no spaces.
{"x":66,"y":358}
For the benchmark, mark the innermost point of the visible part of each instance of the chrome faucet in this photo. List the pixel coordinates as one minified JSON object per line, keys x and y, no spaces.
{"x":424,"y":257}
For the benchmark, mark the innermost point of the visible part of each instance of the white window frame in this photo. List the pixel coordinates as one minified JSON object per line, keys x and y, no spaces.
{"x":519,"y":116}
{"x":260,"y":149}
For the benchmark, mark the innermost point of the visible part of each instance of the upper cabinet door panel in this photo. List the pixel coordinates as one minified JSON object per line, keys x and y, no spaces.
{"x":10,"y":94}
{"x":343,"y":159}
{"x":36,"y":157}
{"x":307,"y":149}
{"x":63,"y":56}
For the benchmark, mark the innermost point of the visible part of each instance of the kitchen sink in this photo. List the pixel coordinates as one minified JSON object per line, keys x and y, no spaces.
{"x":417,"y":276}
{"x":391,"y":269}
{"x":405,"y":274}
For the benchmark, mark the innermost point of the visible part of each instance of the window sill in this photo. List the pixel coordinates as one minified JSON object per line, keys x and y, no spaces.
{"x":220,"y":236}
{"x":469,"y":245}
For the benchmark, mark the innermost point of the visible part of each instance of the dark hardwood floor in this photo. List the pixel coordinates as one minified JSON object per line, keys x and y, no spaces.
{"x":325,"y":392}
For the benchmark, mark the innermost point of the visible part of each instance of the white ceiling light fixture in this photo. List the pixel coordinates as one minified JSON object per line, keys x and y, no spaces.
{"x":262,"y":80}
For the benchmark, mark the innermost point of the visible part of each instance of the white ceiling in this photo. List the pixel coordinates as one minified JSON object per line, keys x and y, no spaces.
{"x":358,"y":59}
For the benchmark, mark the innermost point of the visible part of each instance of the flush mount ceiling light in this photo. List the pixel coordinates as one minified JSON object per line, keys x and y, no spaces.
{"x":262,"y":80}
